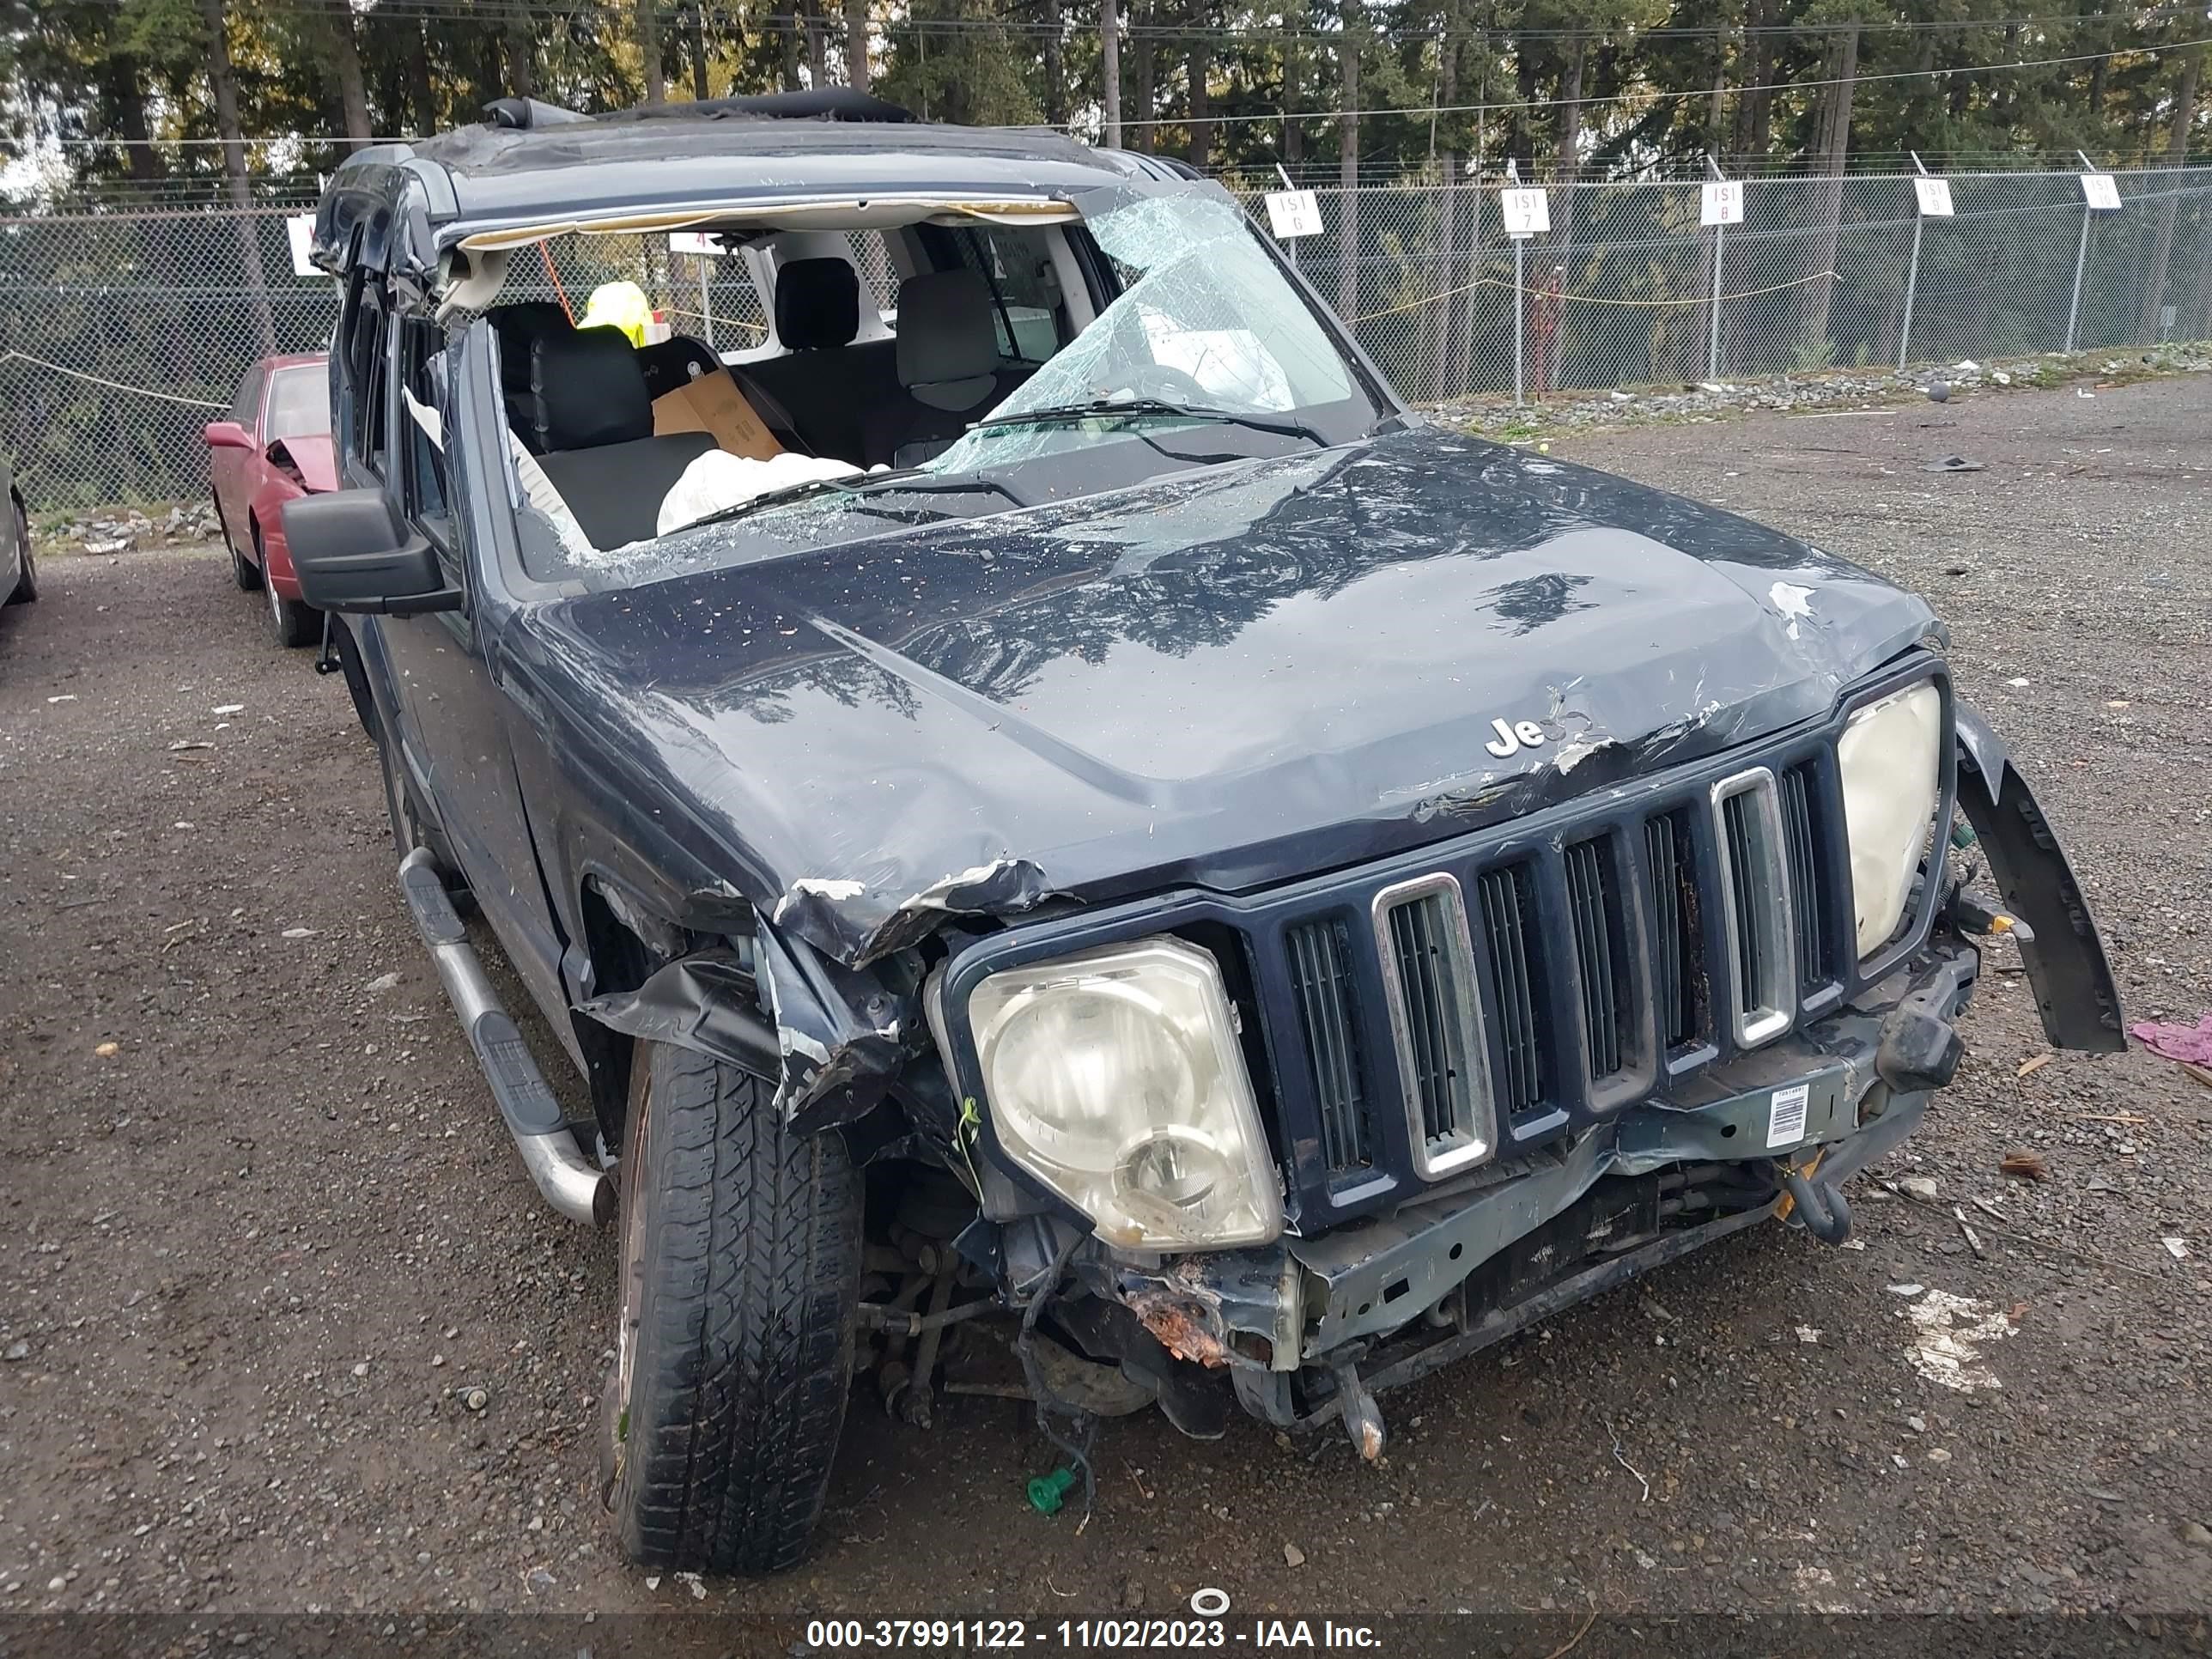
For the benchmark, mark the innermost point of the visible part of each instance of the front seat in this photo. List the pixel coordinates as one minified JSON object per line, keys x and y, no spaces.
{"x":593,"y":420}
{"x":948,"y":367}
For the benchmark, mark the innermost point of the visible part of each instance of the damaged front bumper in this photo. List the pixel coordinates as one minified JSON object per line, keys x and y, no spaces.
{"x":1308,"y":1327}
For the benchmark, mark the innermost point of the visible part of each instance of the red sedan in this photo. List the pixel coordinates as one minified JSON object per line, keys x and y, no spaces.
{"x":274,"y":445}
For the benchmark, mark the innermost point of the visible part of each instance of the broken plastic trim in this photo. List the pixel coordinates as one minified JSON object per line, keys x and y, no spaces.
{"x":832,"y":1043}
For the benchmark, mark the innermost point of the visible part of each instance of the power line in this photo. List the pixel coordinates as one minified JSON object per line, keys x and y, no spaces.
{"x":1649,"y":94}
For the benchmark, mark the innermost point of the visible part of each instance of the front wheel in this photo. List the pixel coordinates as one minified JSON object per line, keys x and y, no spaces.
{"x":740,"y":1272}
{"x":26,"y":579}
{"x":294,"y":623}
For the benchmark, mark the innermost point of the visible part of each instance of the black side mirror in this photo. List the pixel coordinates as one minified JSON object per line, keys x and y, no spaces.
{"x":352,"y":554}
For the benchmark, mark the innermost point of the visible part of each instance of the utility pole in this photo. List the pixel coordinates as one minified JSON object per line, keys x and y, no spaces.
{"x":1109,"y":44}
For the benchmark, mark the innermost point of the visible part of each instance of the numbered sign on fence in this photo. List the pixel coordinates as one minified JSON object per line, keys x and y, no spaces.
{"x":301,"y":228}
{"x":693,"y":242}
{"x":1293,"y":213}
{"x":2102,"y":192}
{"x":1722,"y":202}
{"x":1934,"y":196}
{"x":1525,"y":211}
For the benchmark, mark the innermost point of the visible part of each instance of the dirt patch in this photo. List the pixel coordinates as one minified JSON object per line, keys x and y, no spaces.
{"x":255,"y":1260}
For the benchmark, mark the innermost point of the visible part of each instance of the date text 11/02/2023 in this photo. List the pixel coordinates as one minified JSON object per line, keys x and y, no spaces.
{"x":1262,"y":1636}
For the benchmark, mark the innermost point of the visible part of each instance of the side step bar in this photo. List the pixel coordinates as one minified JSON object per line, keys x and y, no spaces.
{"x":569,"y":1183}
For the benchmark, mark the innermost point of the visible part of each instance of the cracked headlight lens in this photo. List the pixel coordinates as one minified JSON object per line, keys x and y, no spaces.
{"x":1890,"y":757}
{"x":1115,"y":1077}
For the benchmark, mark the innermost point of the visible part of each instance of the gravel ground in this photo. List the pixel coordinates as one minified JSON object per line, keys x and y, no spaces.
{"x":255,"y":1255}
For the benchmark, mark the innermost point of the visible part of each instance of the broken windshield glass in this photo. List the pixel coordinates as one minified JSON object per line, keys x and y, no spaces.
{"x":1200,"y":318}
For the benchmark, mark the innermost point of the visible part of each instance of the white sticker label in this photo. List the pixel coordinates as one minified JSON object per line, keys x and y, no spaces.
{"x":1293,"y":213}
{"x":1786,"y":1115}
{"x":1526,"y":212}
{"x":1934,"y":196}
{"x":1721,"y":203}
{"x":695,"y":242}
{"x":300,"y":229}
{"x":2102,"y":192}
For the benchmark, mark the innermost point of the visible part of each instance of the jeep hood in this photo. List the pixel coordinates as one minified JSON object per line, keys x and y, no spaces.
{"x":1224,"y":679}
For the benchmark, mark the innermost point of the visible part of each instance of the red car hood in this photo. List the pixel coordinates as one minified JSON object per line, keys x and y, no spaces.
{"x":317,"y":458}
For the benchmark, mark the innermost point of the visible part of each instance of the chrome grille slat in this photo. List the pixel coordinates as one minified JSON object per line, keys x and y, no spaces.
{"x":1758,"y":913}
{"x":1436,"y":1017}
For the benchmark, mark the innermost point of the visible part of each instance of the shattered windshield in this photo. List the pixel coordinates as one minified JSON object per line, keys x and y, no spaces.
{"x":1201,"y":352}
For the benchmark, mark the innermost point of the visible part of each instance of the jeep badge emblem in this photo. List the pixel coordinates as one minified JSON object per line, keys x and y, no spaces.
{"x":1512,"y":739}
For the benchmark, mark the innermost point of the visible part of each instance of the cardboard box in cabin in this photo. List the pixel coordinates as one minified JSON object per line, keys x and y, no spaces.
{"x":712,"y":404}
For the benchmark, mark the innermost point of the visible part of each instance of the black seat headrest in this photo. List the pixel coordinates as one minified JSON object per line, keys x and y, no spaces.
{"x":586,"y":390}
{"x":517,"y":325}
{"x":948,"y":350}
{"x":817,"y":304}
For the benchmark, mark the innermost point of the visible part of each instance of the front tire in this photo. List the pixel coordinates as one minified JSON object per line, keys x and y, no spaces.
{"x":26,"y":580}
{"x":293,"y":624}
{"x":740,"y":1272}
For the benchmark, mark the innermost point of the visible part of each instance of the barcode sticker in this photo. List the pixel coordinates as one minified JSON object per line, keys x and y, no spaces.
{"x":1786,"y":1115}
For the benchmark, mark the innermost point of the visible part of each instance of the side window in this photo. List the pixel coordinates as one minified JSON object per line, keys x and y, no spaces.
{"x":1031,"y":320}
{"x":245,"y":407}
{"x":424,"y":481}
{"x":362,"y":337}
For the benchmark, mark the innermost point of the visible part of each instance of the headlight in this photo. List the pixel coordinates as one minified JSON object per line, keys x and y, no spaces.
{"x":1890,"y":756}
{"x":1115,"y":1077}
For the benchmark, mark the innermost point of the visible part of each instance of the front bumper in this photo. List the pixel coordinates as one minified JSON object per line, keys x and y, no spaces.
{"x":1463,"y":1268}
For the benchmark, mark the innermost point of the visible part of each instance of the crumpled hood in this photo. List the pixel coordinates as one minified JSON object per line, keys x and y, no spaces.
{"x":1225,"y":678}
{"x":317,"y":458}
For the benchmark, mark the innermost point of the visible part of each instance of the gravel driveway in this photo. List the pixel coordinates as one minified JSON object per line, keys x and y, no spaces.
{"x":257,"y":1253}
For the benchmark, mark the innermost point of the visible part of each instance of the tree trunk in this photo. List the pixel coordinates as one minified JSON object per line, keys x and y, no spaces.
{"x":521,"y":55}
{"x":1754,"y":109}
{"x":2177,"y":156}
{"x":1716,"y":115}
{"x":786,"y":28}
{"x":1200,"y":66}
{"x":1109,"y":53}
{"x":857,"y":74}
{"x":649,"y":50}
{"x":223,"y":85}
{"x":702,"y":86}
{"x":1835,"y":147}
{"x":1146,"y":51}
{"x":817,"y":44}
{"x":120,"y":75}
{"x":1566,"y":153}
{"x":1055,"y":74}
{"x":1348,"y":207}
{"x":1293,"y":145}
{"x":425,"y":89}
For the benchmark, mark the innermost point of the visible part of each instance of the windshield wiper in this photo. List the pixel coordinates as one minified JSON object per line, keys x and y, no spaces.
{"x":1107,"y":408}
{"x":797,"y":492}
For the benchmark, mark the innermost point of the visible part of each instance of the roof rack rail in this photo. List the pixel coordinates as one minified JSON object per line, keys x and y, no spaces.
{"x":821,"y":104}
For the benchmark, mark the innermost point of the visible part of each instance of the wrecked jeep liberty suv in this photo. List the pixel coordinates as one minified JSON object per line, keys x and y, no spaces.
{"x":1042,"y":789}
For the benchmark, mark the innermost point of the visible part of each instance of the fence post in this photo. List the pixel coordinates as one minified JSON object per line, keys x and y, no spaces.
{"x":1911,"y":274}
{"x":2081,"y":259}
{"x":1520,"y":311}
{"x":1720,"y":233}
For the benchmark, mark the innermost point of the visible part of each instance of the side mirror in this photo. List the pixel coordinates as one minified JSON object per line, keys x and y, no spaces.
{"x":351,"y":553}
{"x":227,"y":435}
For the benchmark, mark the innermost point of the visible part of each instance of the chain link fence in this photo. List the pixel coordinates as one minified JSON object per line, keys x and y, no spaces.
{"x":123,"y":331}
